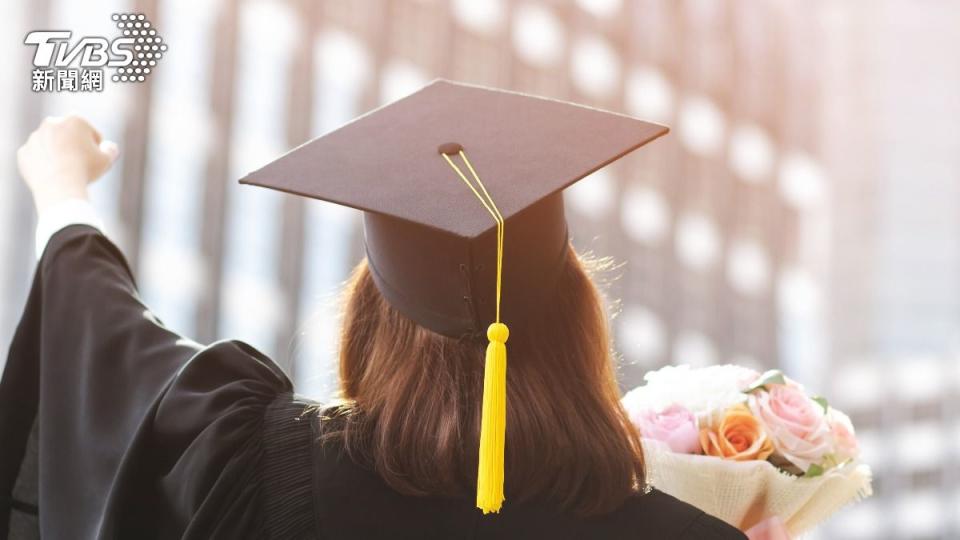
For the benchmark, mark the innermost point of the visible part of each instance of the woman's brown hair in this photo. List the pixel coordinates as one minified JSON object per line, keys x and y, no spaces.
{"x":412,"y":401}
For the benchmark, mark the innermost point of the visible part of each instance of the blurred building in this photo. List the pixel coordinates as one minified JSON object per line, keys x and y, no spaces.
{"x":802,"y":213}
{"x":894,"y":312}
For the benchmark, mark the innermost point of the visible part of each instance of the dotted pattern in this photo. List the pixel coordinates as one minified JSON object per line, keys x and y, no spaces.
{"x":148,"y":47}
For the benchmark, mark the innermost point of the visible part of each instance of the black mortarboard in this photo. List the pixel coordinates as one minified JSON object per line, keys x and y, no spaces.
{"x":431,"y":244}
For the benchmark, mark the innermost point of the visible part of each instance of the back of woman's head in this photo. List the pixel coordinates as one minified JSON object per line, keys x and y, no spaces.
{"x":413,"y":397}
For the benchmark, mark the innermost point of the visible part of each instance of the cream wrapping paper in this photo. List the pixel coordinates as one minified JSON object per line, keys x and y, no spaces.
{"x":743,"y":493}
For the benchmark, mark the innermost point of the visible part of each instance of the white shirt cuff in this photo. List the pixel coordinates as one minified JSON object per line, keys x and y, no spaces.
{"x":63,"y":214}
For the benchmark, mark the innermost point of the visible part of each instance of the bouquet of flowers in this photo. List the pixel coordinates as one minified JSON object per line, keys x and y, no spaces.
{"x":747,"y":447}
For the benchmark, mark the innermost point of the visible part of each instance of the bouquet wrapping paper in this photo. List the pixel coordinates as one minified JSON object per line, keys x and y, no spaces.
{"x":743,"y":493}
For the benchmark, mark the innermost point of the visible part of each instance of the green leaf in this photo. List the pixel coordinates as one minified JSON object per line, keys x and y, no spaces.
{"x":774,"y":376}
{"x":830,"y":461}
{"x":822,"y":401}
{"x":813,"y":471}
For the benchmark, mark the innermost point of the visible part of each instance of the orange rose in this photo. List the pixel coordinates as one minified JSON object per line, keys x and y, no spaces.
{"x":739,"y":436}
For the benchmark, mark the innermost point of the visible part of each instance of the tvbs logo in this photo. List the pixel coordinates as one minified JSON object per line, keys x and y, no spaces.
{"x":64,"y":67}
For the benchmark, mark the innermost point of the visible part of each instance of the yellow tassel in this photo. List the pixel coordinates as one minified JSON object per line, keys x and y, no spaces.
{"x":493,"y":423}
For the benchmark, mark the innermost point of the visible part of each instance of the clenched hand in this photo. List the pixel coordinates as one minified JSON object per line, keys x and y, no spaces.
{"x":61,"y":157}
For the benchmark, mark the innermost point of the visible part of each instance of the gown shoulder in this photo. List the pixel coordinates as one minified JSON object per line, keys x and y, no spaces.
{"x":675,"y":519}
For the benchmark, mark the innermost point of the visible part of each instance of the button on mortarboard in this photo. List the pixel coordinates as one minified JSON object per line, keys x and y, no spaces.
{"x":450,"y":148}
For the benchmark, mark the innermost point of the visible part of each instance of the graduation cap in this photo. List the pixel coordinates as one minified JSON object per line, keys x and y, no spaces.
{"x":461,"y":189}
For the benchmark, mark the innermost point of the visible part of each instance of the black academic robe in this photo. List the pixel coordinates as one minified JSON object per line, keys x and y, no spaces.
{"x":112,"y":426}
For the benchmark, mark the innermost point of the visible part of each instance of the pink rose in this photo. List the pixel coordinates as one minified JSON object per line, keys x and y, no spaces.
{"x":794,"y":422}
{"x":675,"y":426}
{"x":845,"y":445}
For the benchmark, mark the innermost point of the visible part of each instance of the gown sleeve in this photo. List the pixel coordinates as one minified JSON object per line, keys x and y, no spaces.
{"x":140,"y":433}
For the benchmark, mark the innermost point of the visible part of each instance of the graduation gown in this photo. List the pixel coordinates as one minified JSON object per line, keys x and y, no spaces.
{"x":113,"y":426}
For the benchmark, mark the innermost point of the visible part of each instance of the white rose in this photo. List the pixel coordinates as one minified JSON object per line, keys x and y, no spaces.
{"x":700,"y":390}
